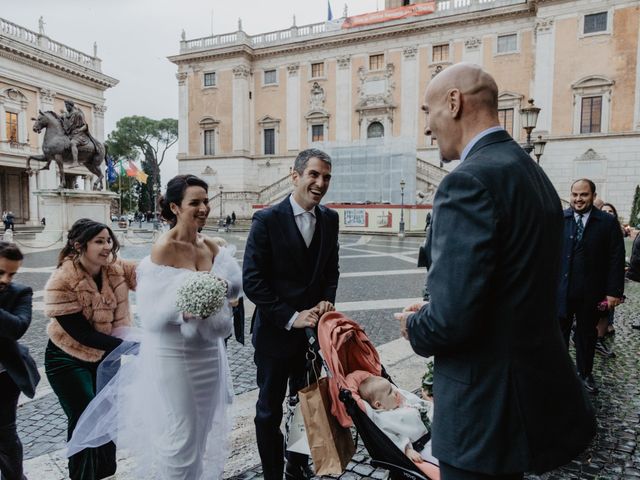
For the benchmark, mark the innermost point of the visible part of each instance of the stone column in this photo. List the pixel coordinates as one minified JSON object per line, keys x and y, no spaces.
{"x":98,"y":122}
{"x":293,"y":107}
{"x":472,"y":51}
{"x":241,"y":121}
{"x":544,"y":72}
{"x":183,"y":113}
{"x":409,"y":95}
{"x":343,"y":99}
{"x":87,"y":182}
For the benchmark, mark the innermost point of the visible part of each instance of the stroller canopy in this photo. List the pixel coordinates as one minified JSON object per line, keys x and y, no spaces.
{"x":346,"y":349}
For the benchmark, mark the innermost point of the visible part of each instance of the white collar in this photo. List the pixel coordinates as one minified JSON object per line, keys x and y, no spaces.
{"x":297,"y":209}
{"x":476,"y":139}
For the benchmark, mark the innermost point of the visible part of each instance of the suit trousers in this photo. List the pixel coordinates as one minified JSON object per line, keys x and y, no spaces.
{"x":10,"y":446}
{"x":449,"y":472}
{"x":273,"y":376}
{"x":586,"y":333}
{"x":74,"y":382}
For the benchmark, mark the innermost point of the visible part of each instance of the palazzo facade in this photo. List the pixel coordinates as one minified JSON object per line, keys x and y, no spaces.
{"x":249,"y":103}
{"x":38,"y":73}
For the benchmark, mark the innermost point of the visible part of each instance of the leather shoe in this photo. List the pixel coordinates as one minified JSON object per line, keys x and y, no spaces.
{"x":589,"y":383}
{"x":602,"y":349}
{"x":294,"y":471}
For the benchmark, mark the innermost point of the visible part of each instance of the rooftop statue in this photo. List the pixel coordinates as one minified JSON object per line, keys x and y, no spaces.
{"x":67,"y":141}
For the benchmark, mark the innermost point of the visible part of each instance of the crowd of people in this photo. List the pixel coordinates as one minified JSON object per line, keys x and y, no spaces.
{"x":503,"y":300}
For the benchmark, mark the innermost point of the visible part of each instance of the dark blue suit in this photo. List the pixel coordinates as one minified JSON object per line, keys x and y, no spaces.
{"x":281,"y":276}
{"x":21,"y":373}
{"x":507,"y":399}
{"x":592,"y":269}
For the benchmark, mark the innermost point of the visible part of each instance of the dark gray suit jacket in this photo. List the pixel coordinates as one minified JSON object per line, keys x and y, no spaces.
{"x":15,"y":318}
{"x":506,"y":395}
{"x":603,"y":246}
{"x":277,"y":279}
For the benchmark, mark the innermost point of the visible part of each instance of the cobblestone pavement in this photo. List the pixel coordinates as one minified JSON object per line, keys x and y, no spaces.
{"x":612,"y":454}
{"x":42,"y":423}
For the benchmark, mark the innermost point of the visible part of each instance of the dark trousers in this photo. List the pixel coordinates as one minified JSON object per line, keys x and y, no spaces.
{"x":586,"y":333}
{"x":449,"y":472}
{"x":74,"y":382}
{"x":273,"y":376}
{"x":10,"y":446}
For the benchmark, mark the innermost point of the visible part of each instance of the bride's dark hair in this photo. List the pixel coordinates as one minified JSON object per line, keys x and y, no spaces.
{"x":175,"y":193}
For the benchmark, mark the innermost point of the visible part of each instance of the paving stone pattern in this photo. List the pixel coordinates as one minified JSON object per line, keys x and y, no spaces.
{"x":612,"y":454}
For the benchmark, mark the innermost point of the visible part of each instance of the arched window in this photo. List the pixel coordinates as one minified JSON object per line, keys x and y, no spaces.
{"x":375,"y":130}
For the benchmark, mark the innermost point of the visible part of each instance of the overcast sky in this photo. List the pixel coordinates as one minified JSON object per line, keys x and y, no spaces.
{"x":135,"y":37}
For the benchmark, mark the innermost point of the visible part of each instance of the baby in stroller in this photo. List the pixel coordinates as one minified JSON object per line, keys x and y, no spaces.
{"x":404,"y":418}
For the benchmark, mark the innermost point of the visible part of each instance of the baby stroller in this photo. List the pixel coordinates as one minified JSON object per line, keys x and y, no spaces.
{"x":345,"y":349}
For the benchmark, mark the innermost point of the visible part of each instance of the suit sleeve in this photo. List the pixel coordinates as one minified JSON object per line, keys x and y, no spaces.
{"x":463,"y":253}
{"x":257,"y":263}
{"x":615,"y":275}
{"x":14,"y":322}
{"x":332,"y":271}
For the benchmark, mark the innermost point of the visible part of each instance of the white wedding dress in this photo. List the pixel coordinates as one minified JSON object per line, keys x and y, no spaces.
{"x":169,"y":405}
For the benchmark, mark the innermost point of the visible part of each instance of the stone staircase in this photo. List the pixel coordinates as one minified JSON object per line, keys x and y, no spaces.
{"x":27,"y":232}
{"x":428,"y":178}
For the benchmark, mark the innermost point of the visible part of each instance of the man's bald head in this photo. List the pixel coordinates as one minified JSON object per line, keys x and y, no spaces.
{"x":475,"y":84}
{"x":460,"y":102}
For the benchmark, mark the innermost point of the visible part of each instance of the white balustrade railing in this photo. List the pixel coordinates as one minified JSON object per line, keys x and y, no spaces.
{"x":295,"y":33}
{"x":43,"y":42}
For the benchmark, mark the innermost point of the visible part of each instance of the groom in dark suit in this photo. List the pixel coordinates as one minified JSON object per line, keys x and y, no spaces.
{"x":290,"y":273}
{"x":506,"y":393}
{"x":18,"y":371}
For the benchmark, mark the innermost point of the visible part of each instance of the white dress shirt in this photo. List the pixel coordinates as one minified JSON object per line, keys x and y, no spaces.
{"x":585,"y":217}
{"x":306,"y":222}
{"x":476,"y":139}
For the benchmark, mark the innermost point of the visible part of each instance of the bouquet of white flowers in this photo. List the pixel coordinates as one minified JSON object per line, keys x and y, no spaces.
{"x":200,"y":296}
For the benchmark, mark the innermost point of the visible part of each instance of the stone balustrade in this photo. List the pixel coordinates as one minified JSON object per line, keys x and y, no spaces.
{"x":42,"y":42}
{"x":330,"y":28}
{"x":275,"y":190}
{"x":433,"y":173}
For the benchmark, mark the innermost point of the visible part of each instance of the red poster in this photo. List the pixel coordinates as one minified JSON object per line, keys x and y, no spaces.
{"x":414,"y":10}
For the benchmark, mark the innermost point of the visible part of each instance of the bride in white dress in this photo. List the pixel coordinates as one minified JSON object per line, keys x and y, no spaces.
{"x":169,"y":406}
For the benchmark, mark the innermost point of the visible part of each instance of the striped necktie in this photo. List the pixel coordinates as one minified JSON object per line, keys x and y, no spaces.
{"x":579,"y":228}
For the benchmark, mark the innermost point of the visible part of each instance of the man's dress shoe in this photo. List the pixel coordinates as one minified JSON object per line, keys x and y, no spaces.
{"x":602,"y":349}
{"x":589,"y":383}
{"x":294,"y":471}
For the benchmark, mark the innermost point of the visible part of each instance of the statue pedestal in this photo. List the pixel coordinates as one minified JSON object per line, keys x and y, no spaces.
{"x":62,"y":207}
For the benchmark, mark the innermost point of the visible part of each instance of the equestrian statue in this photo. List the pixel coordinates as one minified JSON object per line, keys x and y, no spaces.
{"x":67,"y":141}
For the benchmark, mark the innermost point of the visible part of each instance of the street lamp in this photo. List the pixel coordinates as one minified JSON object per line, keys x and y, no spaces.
{"x":528,"y":120}
{"x":538,"y":147}
{"x":221,"y":201}
{"x":401,"y":231}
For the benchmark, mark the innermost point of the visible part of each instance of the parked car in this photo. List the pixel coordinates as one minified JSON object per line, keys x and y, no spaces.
{"x":123,"y":222}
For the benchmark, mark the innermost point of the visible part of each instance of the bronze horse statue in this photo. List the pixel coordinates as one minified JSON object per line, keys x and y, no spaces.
{"x":56,"y":147}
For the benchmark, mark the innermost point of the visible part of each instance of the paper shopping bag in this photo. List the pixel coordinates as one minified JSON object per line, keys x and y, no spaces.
{"x":296,"y":433}
{"x":331,"y":444}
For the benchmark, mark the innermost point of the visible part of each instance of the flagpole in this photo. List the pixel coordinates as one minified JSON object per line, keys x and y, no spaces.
{"x":120,"y":186}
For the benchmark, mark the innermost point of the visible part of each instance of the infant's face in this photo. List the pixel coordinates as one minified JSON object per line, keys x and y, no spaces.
{"x":387,"y":396}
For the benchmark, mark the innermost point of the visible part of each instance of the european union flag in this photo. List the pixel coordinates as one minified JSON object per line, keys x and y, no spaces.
{"x":111,"y":171}
{"x":329,"y":13}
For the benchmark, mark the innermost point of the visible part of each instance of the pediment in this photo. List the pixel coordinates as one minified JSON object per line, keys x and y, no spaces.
{"x":268,"y":120}
{"x":593,"y":81}
{"x":13,"y":94}
{"x":317,"y":114}
{"x":508,"y":96}
{"x":208,"y":122}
